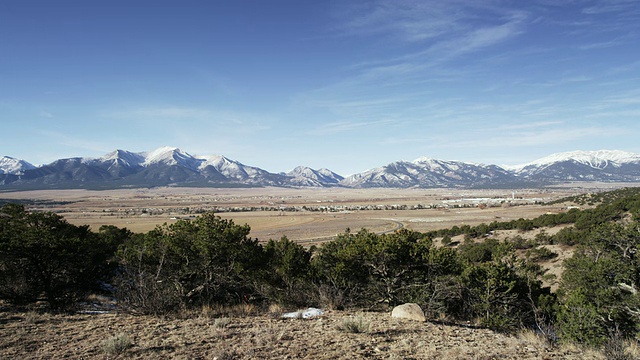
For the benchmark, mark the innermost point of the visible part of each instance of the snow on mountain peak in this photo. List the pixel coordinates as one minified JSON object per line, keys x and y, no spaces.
{"x":124,"y":157}
{"x":166,"y":154}
{"x":432,"y":161}
{"x":595,"y":159}
{"x":9,"y":165}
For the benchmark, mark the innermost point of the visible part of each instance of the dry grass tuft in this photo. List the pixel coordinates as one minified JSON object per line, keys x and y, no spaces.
{"x":221,"y":323}
{"x":269,"y":336}
{"x":117,"y":344}
{"x":354,"y":325}
{"x":276,"y":310}
{"x":32,"y":317}
{"x":238,"y":310}
{"x":534,"y":339}
{"x":632,"y":347}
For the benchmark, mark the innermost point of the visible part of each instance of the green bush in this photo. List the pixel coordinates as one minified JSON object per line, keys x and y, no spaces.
{"x":187,"y":264}
{"x":43,"y":255}
{"x":287,"y":278}
{"x":599,"y":286}
{"x":372,"y":269}
{"x":540,"y":254}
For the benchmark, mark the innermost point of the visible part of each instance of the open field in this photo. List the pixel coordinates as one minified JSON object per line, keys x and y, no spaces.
{"x":304,"y":215}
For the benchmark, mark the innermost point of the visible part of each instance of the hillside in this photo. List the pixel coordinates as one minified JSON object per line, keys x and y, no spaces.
{"x":31,"y":335}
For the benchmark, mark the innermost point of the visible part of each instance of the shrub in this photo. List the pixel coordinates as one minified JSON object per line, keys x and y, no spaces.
{"x":354,"y":325}
{"x":287,"y":278}
{"x":540,"y":254}
{"x":189,"y":264}
{"x":116,"y":344}
{"x":42,"y":254}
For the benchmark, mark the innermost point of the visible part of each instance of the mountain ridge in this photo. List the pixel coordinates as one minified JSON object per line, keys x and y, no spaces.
{"x":170,"y":166}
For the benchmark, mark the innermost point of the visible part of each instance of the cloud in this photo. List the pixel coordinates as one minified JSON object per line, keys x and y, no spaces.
{"x":203,"y":118}
{"x":74,"y":142}
{"x":610,"y":6}
{"x":431,"y":34}
{"x":602,"y":45}
{"x":511,"y":140}
{"x":346,"y":126}
{"x":173,"y":113}
{"x":532,"y":125}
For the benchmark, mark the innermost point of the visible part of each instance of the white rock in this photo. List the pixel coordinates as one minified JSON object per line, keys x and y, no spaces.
{"x":305,"y":314}
{"x":408,"y":311}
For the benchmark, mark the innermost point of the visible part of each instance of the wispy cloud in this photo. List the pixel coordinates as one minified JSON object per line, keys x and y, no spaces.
{"x":603,"y":44}
{"x":346,"y":126}
{"x":168,"y":112}
{"x":46,"y":114}
{"x":79,"y":144}
{"x":400,"y":20}
{"x":172,"y":117}
{"x":554,"y":136}
{"x":610,"y":6}
{"x":428,"y":38}
{"x":533,"y":125}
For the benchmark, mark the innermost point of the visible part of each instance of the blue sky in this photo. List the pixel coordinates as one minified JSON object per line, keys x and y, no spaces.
{"x":347,"y":85}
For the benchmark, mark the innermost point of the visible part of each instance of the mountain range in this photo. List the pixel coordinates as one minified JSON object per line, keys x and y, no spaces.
{"x":170,"y":166}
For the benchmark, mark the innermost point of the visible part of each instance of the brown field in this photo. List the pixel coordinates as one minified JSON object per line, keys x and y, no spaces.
{"x":140,"y":210}
{"x":262,"y":335}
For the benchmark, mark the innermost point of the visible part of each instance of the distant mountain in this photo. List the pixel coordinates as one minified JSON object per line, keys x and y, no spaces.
{"x":602,"y":165}
{"x":427,"y":172}
{"x":305,"y":176}
{"x":165,"y":166}
{"x":9,"y":165}
{"x":170,"y":166}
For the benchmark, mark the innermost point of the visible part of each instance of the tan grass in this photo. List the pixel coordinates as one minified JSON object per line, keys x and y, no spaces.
{"x":222,"y":322}
{"x":80,"y":336}
{"x":632,"y":347}
{"x":354,"y":325}
{"x":116,"y":344}
{"x":531,"y":337}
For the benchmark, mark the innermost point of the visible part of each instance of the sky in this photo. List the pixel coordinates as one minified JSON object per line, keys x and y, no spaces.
{"x":345,"y":85}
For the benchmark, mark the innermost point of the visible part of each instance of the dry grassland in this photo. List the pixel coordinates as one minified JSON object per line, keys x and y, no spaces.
{"x":84,"y":336}
{"x":140,"y":210}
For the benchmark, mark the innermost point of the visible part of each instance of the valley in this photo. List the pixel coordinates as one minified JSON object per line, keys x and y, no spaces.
{"x":305,"y":215}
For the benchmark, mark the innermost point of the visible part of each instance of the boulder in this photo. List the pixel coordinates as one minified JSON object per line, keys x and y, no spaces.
{"x":408,"y":311}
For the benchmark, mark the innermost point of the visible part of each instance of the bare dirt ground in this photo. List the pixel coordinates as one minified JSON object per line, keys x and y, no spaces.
{"x":86,"y":336}
{"x":303,"y":215}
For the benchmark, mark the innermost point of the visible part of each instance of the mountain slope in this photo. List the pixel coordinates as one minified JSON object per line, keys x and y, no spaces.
{"x":427,"y":172}
{"x":602,"y":165}
{"x":306,"y":176}
{"x":9,"y":165}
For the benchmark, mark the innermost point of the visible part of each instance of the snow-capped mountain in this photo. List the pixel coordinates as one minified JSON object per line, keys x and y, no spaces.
{"x":9,"y":165}
{"x":427,"y":172}
{"x":165,"y":166}
{"x":602,"y":165}
{"x":167,"y":155}
{"x":306,"y":176}
{"x":170,"y":166}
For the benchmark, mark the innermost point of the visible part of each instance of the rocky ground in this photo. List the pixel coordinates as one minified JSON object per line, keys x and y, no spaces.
{"x":32,"y":335}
